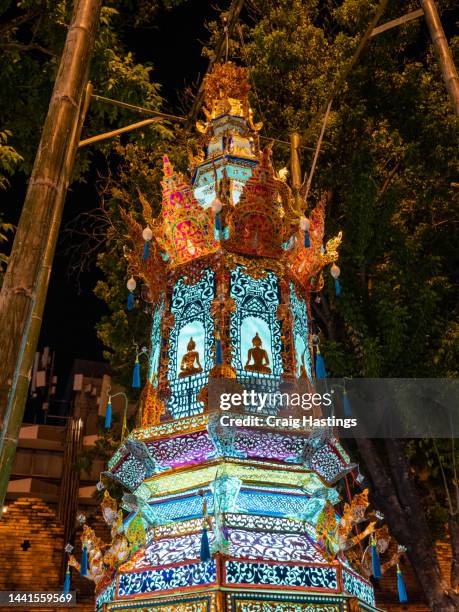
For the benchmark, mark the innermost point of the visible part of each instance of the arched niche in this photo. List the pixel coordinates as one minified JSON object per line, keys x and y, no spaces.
{"x":257,"y":301}
{"x":192,"y":332}
{"x":251,"y":326}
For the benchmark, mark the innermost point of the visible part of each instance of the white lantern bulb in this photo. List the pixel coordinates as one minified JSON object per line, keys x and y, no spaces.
{"x":147,"y":234}
{"x":131,"y":284}
{"x":304,"y":223}
{"x":335,"y":271}
{"x":216,"y":205}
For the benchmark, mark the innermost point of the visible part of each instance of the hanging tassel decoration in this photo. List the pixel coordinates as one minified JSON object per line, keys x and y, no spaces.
{"x":131,"y":285}
{"x":84,"y":562}
{"x":335,"y":272}
{"x":402,"y":594}
{"x":219,"y":352}
{"x":108,"y":415}
{"x":67,"y":581}
{"x":321,"y":372}
{"x":205,"y":547}
{"x":136,"y":375}
{"x":304,"y":225}
{"x":147,"y":235}
{"x":375,"y":563}
{"x":337,"y":287}
{"x":346,"y":405}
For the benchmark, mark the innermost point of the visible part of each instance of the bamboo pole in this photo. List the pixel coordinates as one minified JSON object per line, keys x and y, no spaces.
{"x":443,"y":51}
{"x":26,"y":280}
{"x":113,"y":133}
{"x":295,"y":167}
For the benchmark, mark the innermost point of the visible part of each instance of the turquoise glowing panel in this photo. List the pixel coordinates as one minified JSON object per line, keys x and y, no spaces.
{"x":190,"y":306}
{"x":256,"y":301}
{"x":155,"y":345}
{"x":301,"y":334}
{"x":239,"y":171}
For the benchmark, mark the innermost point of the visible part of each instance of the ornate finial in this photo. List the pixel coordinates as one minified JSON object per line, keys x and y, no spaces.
{"x":226,"y":89}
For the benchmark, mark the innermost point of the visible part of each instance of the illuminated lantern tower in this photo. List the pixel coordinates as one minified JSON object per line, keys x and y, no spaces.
{"x":218,"y":518}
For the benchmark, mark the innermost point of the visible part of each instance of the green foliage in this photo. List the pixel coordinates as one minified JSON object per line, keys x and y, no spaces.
{"x":9,"y":159}
{"x":389,"y":156}
{"x":32,"y":37}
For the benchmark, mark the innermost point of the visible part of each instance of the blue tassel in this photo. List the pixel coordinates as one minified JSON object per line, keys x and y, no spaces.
{"x":321,"y":372}
{"x":402,"y":594}
{"x":136,"y":375}
{"x":346,"y":405}
{"x":307,"y":242}
{"x":130,"y":301}
{"x":67,"y":581}
{"x":205,"y":548}
{"x":219,"y":353}
{"x":146,"y":250}
{"x":226,"y":233}
{"x":108,"y":416}
{"x":84,"y":562}
{"x":337,"y":287}
{"x":375,"y":563}
{"x":218,"y":222}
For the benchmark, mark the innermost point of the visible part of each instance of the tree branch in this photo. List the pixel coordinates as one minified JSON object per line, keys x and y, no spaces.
{"x":29,"y":47}
{"x":17,"y":21}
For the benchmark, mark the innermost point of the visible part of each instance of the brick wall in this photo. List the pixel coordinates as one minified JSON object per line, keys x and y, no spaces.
{"x":33,"y":524}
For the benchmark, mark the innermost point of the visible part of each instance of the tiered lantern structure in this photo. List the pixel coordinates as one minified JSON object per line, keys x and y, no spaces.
{"x":217,"y":518}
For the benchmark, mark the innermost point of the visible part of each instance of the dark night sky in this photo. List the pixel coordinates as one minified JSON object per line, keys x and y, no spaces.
{"x":72,"y":310}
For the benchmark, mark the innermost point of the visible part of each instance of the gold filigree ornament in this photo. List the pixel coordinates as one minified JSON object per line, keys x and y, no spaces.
{"x":185,"y":231}
{"x":306,"y":263}
{"x":226,"y":90}
{"x":153,"y":407}
{"x":257,"y":225}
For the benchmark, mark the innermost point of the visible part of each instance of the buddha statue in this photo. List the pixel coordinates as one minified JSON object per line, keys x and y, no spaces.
{"x":190,"y":363}
{"x":258,"y":356}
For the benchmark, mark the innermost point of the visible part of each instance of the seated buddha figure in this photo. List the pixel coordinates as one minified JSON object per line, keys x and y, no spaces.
{"x":190,"y":363}
{"x":258,"y":356}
